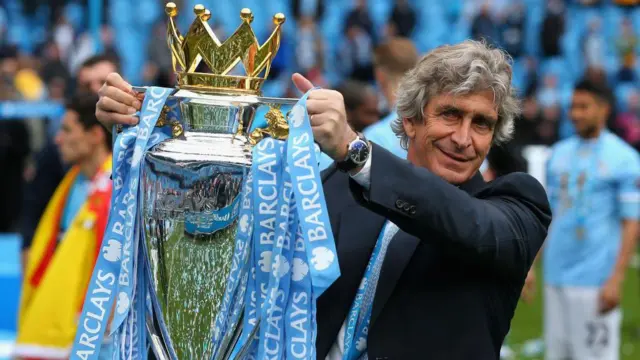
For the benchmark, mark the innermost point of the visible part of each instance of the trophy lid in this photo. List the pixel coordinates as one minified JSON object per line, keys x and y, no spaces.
{"x":200,"y":45}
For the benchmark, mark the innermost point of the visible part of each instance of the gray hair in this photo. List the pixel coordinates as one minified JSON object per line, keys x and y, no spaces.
{"x":465,"y":68}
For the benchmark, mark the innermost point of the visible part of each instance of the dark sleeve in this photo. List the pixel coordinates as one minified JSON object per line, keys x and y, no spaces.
{"x":504,"y":226}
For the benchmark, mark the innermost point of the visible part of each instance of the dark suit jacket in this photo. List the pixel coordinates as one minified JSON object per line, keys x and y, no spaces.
{"x":452,"y":274}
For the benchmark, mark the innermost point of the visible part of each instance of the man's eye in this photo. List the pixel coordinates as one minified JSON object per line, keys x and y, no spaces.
{"x":484,"y":125}
{"x":450,"y":113}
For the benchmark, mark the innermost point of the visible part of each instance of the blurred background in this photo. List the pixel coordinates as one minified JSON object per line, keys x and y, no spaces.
{"x":45,"y":45}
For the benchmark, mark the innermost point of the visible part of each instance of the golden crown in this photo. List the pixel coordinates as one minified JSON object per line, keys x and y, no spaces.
{"x":201,"y":44}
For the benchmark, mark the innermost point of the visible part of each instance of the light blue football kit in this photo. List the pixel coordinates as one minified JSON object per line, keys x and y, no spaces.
{"x":593,"y":185}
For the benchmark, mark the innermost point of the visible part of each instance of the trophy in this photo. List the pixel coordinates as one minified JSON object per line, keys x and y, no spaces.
{"x":192,"y":182}
{"x":218,"y":242}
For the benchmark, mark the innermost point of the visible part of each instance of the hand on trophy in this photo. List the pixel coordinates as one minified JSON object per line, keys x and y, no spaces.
{"x":118,"y":102}
{"x":328,"y":118}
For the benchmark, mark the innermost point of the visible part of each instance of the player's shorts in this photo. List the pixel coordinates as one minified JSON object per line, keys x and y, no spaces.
{"x":574,"y":329}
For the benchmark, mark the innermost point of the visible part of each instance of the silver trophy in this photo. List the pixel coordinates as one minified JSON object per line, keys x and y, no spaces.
{"x":192,"y":182}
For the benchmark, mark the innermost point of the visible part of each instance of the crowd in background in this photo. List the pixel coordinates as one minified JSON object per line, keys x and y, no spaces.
{"x":553,"y":43}
{"x":45,"y":45}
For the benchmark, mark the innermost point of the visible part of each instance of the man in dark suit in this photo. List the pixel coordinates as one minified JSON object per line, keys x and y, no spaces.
{"x":449,"y":253}
{"x":452,"y":269}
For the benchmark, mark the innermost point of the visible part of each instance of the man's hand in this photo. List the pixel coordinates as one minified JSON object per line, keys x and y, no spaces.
{"x":328,"y":119}
{"x":529,"y":288}
{"x":118,"y":102}
{"x":610,"y":295}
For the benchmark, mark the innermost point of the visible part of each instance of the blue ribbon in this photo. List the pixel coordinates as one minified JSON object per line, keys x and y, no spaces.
{"x":357,"y":326}
{"x":300,"y":318}
{"x":272,"y":329}
{"x":239,"y":267}
{"x":312,"y":208}
{"x":114,"y":272}
{"x":294,"y":257}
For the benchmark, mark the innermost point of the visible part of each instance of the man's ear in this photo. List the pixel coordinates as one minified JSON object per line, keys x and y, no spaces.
{"x":409,"y":128}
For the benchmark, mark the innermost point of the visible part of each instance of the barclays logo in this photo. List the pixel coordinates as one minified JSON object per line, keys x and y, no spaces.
{"x":297,"y":115}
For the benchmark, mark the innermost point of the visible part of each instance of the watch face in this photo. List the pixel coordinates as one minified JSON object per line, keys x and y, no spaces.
{"x":359,"y":151}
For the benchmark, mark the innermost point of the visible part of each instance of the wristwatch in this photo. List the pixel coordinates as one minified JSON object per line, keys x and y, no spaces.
{"x":358,"y":152}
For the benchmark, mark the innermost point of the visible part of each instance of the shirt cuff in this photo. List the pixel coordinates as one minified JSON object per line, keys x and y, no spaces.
{"x":363,"y":177}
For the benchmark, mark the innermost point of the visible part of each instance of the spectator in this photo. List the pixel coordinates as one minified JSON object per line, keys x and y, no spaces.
{"x":159,"y":59}
{"x":402,"y":21}
{"x":552,"y":28}
{"x":53,"y":66}
{"x":14,"y":149}
{"x":512,"y":33}
{"x":359,"y":17}
{"x":526,"y":126}
{"x":593,"y":44}
{"x":549,"y":93}
{"x":68,"y":237}
{"x":628,"y":121}
{"x":49,"y":170}
{"x":361,"y":103}
{"x":312,"y":8}
{"x":627,"y":4}
{"x":592,"y":181}
{"x":63,"y":35}
{"x":355,"y":54}
{"x":309,"y":46}
{"x":548,"y":128}
{"x":4,"y":22}
{"x":483,"y":26}
{"x":627,"y":44}
{"x":94,"y":71}
{"x":590,"y":2}
{"x":392,"y":60}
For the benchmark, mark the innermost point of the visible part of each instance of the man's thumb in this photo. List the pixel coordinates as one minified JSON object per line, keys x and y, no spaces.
{"x":302,"y":83}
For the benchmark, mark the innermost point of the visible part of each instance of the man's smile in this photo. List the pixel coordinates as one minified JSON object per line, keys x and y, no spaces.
{"x":453,"y":156}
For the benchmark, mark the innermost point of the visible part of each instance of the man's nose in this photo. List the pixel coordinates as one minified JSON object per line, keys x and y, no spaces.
{"x":461,"y":137}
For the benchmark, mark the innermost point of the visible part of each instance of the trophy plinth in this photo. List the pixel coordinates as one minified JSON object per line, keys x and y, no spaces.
{"x":192,"y":183}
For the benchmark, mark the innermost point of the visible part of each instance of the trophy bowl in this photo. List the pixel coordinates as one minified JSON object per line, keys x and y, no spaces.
{"x":191,"y":191}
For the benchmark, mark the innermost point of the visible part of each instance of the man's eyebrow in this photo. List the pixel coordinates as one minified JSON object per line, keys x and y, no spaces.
{"x":480,"y":116}
{"x":487,"y":118}
{"x":448,"y":107}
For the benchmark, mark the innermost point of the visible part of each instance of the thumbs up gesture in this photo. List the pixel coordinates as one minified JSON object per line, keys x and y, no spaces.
{"x":328,"y":118}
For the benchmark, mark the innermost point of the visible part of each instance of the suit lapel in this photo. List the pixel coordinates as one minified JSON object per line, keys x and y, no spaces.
{"x":399,"y":253}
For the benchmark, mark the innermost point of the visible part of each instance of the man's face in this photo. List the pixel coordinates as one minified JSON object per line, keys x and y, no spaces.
{"x":92,"y":78}
{"x":588,"y":113}
{"x":455,"y":135}
{"x":74,"y":142}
